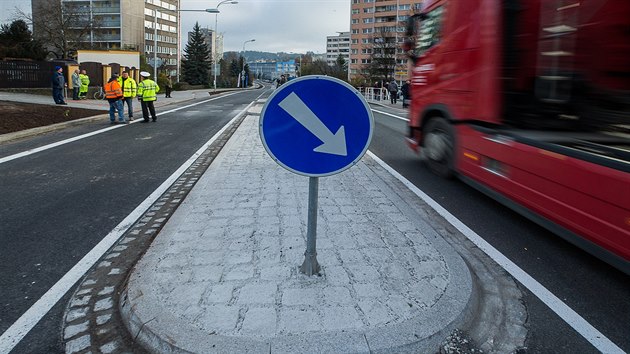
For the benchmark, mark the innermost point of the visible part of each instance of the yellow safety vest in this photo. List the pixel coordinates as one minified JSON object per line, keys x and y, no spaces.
{"x":85,"y":82}
{"x":129,"y":86}
{"x":147,"y":89}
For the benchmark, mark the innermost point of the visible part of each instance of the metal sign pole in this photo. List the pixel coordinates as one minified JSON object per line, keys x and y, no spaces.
{"x":310,"y":265}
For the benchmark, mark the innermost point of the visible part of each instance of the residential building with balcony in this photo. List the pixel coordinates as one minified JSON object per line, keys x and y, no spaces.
{"x":377,"y":30}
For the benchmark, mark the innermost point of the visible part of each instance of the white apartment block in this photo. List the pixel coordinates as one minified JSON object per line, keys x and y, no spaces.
{"x":336,"y":45}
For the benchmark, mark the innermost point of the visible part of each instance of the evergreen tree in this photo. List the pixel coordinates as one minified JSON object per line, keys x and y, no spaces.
{"x":196,"y":63}
{"x":340,"y":69}
{"x":16,"y":41}
{"x":235,"y":68}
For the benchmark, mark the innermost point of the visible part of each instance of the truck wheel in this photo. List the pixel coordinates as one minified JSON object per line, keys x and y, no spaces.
{"x":438,"y":147}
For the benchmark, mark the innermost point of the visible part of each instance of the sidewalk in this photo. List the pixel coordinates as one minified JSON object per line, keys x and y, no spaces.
{"x":222,"y":275}
{"x":177,"y":97}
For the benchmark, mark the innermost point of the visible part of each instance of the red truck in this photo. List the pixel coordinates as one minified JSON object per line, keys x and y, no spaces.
{"x":529,"y":101}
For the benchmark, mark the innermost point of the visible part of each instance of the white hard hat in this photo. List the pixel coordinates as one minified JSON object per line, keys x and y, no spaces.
{"x":145,"y":74}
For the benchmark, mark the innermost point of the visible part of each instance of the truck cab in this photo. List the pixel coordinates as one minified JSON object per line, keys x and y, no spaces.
{"x":529,"y":101}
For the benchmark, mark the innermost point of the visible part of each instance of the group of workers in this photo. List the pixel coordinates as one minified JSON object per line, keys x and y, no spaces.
{"x":80,"y":84}
{"x":119,"y":90}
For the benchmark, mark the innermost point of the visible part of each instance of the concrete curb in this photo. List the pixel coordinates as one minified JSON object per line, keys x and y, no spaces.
{"x":49,"y":128}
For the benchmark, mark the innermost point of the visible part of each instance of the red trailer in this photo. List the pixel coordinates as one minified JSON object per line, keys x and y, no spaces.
{"x":529,"y":101}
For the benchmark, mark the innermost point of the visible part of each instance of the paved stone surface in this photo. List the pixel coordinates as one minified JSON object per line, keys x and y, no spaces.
{"x":222,"y":275}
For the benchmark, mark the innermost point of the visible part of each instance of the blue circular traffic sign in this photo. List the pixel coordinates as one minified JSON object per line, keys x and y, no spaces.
{"x":316,"y":126}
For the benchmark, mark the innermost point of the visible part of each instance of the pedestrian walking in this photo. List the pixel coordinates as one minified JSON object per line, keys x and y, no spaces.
{"x":393,"y":91}
{"x":58,"y":84}
{"x":147,"y":90}
{"x":85,"y":83}
{"x":114,"y":95}
{"x":130,"y":90}
{"x":169,"y":87}
{"x":76,"y":85}
{"x":406,"y":92}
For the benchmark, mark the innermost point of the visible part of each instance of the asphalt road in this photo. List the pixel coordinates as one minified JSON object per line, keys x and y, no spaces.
{"x":59,"y":203}
{"x":596,"y":291}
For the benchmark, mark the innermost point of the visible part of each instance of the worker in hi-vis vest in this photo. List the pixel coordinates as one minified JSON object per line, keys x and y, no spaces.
{"x":147,"y":91}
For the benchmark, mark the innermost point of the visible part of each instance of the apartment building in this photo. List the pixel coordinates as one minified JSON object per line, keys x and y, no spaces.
{"x":151,"y":27}
{"x":336,"y":45}
{"x":377,"y":28}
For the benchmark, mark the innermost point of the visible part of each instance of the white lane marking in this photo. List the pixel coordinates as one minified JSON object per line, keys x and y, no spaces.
{"x":572,"y":318}
{"x":14,"y":334}
{"x":391,"y":115}
{"x":67,"y":141}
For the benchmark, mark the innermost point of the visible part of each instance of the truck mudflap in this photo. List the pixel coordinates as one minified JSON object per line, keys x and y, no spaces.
{"x":413,"y":144}
{"x":413,"y":139}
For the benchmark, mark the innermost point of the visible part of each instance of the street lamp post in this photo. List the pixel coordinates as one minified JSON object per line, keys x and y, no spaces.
{"x":243,"y":70}
{"x":155,"y":46}
{"x":216,"y":36}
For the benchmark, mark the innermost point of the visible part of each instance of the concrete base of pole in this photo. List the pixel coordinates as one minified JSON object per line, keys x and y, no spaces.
{"x":310,"y":265}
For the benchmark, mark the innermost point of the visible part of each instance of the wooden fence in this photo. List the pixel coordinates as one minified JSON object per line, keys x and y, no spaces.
{"x":38,"y":74}
{"x":27,"y":74}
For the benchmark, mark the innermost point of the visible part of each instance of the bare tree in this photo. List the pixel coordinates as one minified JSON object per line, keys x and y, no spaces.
{"x":383,"y":61}
{"x":63,"y":27}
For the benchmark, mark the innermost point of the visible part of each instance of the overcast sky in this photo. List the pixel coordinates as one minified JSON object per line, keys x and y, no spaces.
{"x":277,"y":25}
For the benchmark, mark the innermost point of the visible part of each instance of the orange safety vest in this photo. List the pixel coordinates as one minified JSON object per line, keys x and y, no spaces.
{"x":113,"y":90}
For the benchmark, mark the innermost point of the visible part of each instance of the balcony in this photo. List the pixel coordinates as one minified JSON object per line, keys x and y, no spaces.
{"x":106,"y":10}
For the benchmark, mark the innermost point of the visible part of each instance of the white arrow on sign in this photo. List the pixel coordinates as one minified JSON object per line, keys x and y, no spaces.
{"x":334,"y":144}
